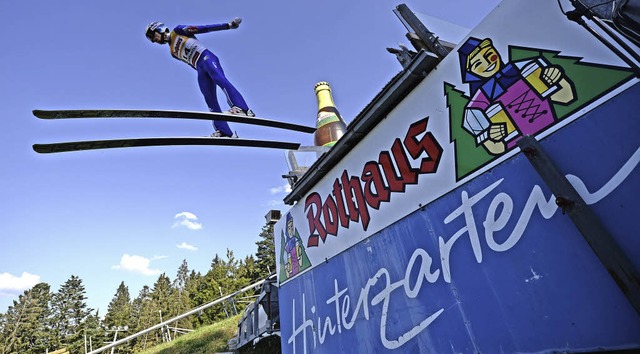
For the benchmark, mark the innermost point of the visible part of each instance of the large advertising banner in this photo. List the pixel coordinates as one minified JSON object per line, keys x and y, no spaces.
{"x":435,"y":233}
{"x":493,"y":266}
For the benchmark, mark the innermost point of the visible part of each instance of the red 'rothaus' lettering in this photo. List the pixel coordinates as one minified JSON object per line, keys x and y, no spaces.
{"x":352,"y":196}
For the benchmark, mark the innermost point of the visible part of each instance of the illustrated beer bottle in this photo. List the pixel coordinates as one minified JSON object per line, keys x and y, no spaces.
{"x":330,"y":126}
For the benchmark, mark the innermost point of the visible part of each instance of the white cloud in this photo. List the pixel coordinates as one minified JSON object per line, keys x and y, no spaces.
{"x":186,"y":246}
{"x":286,"y":188}
{"x":13,"y":285}
{"x":136,"y":264}
{"x":188,"y":220}
{"x":277,"y":190}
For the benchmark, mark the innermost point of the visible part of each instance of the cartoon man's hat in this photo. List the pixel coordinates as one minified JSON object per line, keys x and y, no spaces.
{"x":469,"y":46}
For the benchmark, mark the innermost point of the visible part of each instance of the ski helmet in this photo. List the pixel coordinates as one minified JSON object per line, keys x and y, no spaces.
{"x":155,"y":27}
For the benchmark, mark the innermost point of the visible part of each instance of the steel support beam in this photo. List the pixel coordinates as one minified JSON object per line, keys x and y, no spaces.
{"x":599,"y":239}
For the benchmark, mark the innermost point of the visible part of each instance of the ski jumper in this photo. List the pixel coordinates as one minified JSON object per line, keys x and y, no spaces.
{"x":185,"y":47}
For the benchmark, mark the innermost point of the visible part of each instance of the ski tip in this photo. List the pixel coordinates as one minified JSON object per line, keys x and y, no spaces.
{"x":40,"y":149}
{"x":42,"y":113}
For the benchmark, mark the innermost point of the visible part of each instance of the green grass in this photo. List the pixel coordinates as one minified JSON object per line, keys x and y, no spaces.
{"x":209,"y":339}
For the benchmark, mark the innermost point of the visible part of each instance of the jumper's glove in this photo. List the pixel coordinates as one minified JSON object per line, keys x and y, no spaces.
{"x":235,"y":23}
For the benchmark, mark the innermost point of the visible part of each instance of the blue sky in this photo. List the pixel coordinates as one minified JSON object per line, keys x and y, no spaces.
{"x":130,"y":214}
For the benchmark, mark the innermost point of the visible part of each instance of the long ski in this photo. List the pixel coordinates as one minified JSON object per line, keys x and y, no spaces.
{"x":125,"y":113}
{"x":135,"y":142}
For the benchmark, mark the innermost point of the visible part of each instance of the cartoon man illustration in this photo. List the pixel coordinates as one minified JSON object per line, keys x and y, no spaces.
{"x":293,"y":257}
{"x":292,"y":249}
{"x":509,"y":100}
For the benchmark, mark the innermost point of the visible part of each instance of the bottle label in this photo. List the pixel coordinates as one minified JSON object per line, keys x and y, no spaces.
{"x":326,"y":118}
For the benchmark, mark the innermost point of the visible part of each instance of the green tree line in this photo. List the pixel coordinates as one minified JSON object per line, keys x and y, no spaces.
{"x":41,"y":320}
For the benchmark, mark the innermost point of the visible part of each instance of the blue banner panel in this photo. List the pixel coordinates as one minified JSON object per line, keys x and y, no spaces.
{"x":493,"y":266}
{"x":602,"y":148}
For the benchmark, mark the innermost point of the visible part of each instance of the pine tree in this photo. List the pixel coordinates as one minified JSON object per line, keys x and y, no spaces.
{"x":192,"y":290}
{"x":38,"y":312}
{"x":95,"y":332}
{"x":144,"y":315}
{"x":69,"y":312}
{"x":138,"y":304}
{"x":9,"y":336}
{"x":180,"y":295}
{"x":160,"y":294}
{"x":192,"y":287}
{"x":180,"y":283}
{"x":249,"y":270}
{"x":220,"y":280}
{"x":24,"y":328}
{"x":119,"y":310}
{"x":266,"y":254}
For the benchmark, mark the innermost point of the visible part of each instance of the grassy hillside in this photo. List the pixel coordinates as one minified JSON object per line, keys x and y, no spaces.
{"x":210,"y":339}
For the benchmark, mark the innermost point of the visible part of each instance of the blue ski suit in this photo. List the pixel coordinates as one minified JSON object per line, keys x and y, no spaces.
{"x":185,"y":47}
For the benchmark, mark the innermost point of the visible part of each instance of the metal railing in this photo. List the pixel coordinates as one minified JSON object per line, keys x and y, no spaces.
{"x":167,"y":322}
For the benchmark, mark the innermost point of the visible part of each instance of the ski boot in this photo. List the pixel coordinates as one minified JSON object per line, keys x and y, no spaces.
{"x":240,"y":112}
{"x":220,"y":134}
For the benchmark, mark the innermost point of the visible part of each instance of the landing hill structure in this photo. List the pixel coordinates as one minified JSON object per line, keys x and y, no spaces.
{"x":485,"y":201}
